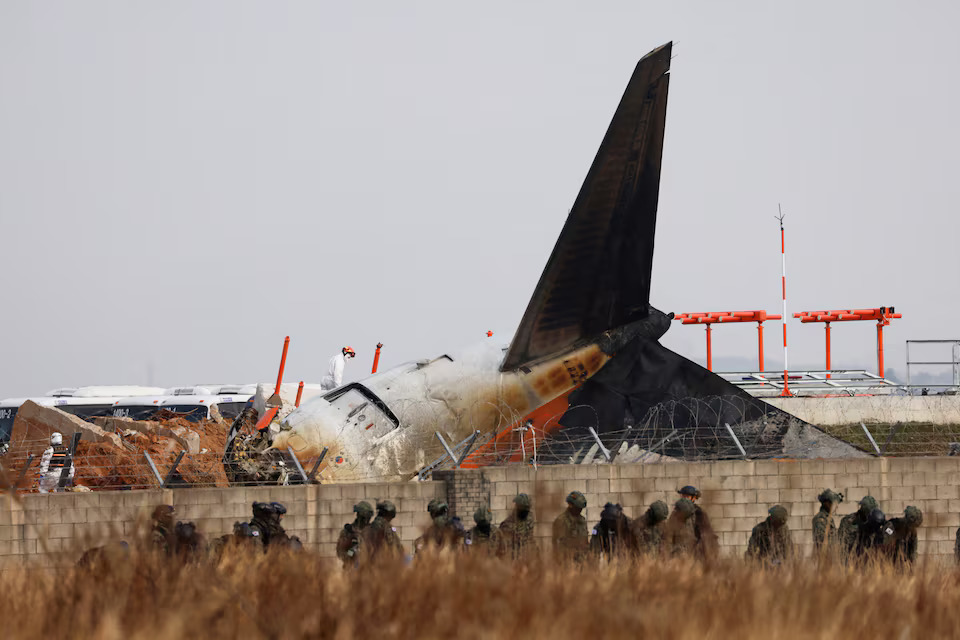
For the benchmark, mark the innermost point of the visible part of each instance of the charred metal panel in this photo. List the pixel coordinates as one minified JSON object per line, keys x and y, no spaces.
{"x":598,"y":276}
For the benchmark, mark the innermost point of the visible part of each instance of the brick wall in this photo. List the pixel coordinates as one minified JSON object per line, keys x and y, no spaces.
{"x":736,"y":494}
{"x":69,"y":522}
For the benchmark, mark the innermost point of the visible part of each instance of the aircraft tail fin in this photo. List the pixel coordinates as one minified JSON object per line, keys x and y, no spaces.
{"x":598,"y":276}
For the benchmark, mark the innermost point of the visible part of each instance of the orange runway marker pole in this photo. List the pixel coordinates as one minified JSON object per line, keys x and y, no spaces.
{"x":376,"y":357}
{"x":271,"y":413}
{"x":760,"y":345}
{"x":709,"y":350}
{"x":283,"y":363}
{"x":880,"y":348}
{"x":828,"y":350}
{"x":299,"y":394}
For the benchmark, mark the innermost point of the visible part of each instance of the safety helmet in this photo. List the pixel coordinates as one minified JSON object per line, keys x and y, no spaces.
{"x":868,"y":504}
{"x":363,"y":509}
{"x":278,"y":508}
{"x":830,"y":496}
{"x":386,"y":508}
{"x":162,"y":512}
{"x":876,"y":517}
{"x":482,"y":514}
{"x":659,"y":511}
{"x":436,"y":507}
{"x":778,"y":515}
{"x":577,"y":500}
{"x":913,"y":516}
{"x":611,"y":512}
{"x":348,"y":351}
{"x":689,"y":491}
{"x":522,"y":500}
{"x":685,"y":507}
{"x":56,"y":438}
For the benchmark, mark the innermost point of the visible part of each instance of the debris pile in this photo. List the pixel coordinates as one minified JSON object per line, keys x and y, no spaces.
{"x":110,"y":454}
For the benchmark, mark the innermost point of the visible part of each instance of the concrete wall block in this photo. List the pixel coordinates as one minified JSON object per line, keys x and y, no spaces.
{"x":735,"y":483}
{"x":653,"y":470}
{"x":924,"y":493}
{"x":641,"y":485}
{"x":833,"y":467}
{"x":756,"y":510}
{"x":913,"y":479}
{"x":719,"y":497}
{"x":947,"y":492}
{"x":745,"y":496}
{"x":598,"y":486}
{"x":755,"y":482}
{"x":811,"y":467}
{"x":766,"y":468}
{"x":870,"y":480}
{"x":801,"y":482}
{"x":721,"y":525}
{"x":505,"y":489}
{"x":778,"y":482}
{"x":628,"y":471}
{"x":719,"y":469}
{"x":790,"y":467}
{"x":676,"y":470}
{"x":925,"y":464}
{"x":734,"y":511}
{"x":585,"y":472}
{"x":947,"y":465}
{"x":768,"y":496}
{"x":744,"y":524}
{"x":519,"y":474}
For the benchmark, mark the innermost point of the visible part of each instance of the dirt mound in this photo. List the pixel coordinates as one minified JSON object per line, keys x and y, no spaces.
{"x":117,"y":461}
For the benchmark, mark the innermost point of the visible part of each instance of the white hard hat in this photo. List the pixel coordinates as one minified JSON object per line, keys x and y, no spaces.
{"x":56,"y":438}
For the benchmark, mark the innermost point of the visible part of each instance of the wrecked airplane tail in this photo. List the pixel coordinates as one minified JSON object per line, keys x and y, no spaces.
{"x":598,"y":276}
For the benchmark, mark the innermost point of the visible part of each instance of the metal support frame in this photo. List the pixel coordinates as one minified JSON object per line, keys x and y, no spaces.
{"x":893,"y":432}
{"x":296,"y":463}
{"x":469,"y":446}
{"x":316,"y":466}
{"x":669,"y":437}
{"x":870,"y":438}
{"x":173,"y":470}
{"x":735,"y":439}
{"x":23,"y":473}
{"x":65,"y":472}
{"x":153,"y":468}
{"x":603,"y":449}
{"x":953,"y":363}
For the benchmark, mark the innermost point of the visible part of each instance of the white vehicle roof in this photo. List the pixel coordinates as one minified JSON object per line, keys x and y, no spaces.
{"x":185,"y":391}
{"x":206,"y":399}
{"x":119,"y":391}
{"x":17,"y":402}
{"x":231,"y":389}
{"x":141,"y":401}
{"x":75,"y":402}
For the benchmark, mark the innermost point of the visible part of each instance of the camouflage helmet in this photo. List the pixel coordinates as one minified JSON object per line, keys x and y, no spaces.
{"x":689,"y":491}
{"x":868,"y":504}
{"x":522,"y":501}
{"x":778,"y":515}
{"x":278,"y":508}
{"x":830,"y":496}
{"x":685,"y":507}
{"x":913,"y":516}
{"x":261,"y":509}
{"x":363,"y":509}
{"x":877,"y":518}
{"x":659,"y":511}
{"x":482,"y":514}
{"x":437,"y":507}
{"x":576,"y":500}
{"x":611,"y":512}
{"x":386,"y":508}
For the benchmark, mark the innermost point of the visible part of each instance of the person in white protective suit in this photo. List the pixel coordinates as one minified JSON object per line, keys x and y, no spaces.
{"x":54,"y":458}
{"x":334,"y":377}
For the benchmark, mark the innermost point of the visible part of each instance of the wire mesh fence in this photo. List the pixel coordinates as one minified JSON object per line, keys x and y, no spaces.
{"x":690,"y":429}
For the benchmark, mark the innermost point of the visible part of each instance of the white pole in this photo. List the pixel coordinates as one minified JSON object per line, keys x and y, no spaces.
{"x":783,"y":316}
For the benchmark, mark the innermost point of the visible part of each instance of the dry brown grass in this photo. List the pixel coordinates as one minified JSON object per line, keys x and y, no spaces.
{"x":294,"y":596}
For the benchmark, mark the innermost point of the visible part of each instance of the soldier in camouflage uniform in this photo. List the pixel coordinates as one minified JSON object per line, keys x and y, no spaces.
{"x":266,"y":522}
{"x":570,"y":530}
{"x":443,"y":532}
{"x":381,"y":537}
{"x":349,"y":542}
{"x":611,"y":536}
{"x":708,"y":546}
{"x":484,"y":537}
{"x":243,"y":537}
{"x":647,"y":530}
{"x":900,"y":537}
{"x":162,"y":529}
{"x":678,"y":536}
{"x":824,"y":530}
{"x":771,"y":540}
{"x":849,"y":524}
{"x":191,"y":545}
{"x":517,"y":529}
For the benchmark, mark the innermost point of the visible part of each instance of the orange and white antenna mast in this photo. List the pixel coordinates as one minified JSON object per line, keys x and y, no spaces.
{"x":783,"y":285}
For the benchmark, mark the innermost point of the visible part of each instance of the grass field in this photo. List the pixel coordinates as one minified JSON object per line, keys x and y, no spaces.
{"x":303,"y":596}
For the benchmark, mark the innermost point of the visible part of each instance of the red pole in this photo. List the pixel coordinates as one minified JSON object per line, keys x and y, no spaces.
{"x":880,"y":347}
{"x":709,"y":351}
{"x":376,"y":357}
{"x":760,"y":345}
{"x":828,"y":350}
{"x":283,"y":363}
{"x":299,"y":394}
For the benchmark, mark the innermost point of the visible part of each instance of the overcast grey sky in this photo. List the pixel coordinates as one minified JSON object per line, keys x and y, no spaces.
{"x":183,"y":184}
